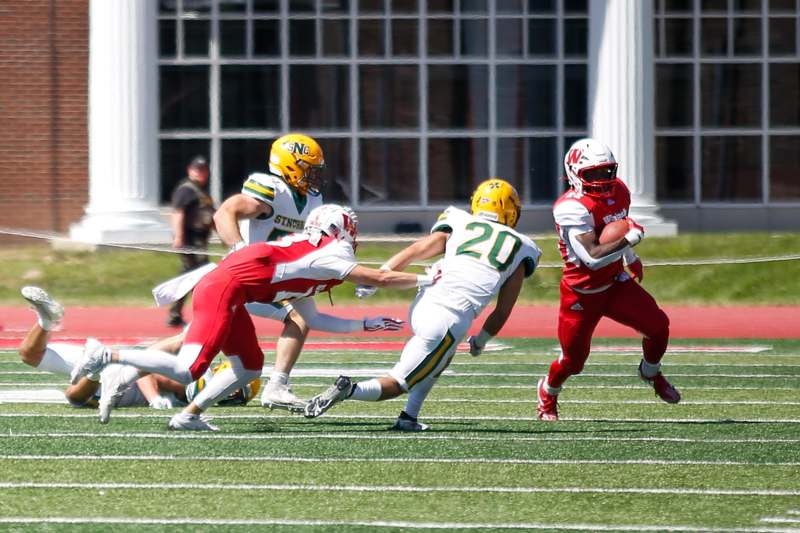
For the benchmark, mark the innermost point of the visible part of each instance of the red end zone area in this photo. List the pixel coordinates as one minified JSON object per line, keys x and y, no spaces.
{"x":133,"y":325}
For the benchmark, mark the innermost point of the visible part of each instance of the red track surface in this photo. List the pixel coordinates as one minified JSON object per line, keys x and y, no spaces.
{"x":123,"y":325}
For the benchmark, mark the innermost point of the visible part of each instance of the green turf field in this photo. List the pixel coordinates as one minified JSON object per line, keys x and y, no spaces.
{"x":726,"y":459}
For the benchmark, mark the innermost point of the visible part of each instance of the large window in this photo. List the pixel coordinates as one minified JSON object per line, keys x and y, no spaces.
{"x":414,"y":102}
{"x":727,"y":114}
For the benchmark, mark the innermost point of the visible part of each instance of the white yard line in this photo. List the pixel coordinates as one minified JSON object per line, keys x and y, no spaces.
{"x":387,"y":418}
{"x":396,"y":460}
{"x":398,"y":488}
{"x":382,"y":437}
{"x":396,"y":524}
{"x":54,"y":396}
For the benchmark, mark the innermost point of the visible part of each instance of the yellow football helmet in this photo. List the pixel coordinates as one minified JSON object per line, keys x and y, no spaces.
{"x":299,"y":160}
{"x":237,"y":397}
{"x":496,"y":200}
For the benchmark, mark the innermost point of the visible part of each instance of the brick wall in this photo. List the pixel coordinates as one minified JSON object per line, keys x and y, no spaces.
{"x":44,"y":53}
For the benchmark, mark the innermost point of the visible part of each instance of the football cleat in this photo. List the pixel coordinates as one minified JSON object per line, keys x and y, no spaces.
{"x":663,"y":388}
{"x":95,"y":357}
{"x":546,"y":404}
{"x":280,"y":396}
{"x":46,"y":308}
{"x":337,"y":392}
{"x":188,"y":422}
{"x":114,"y":385}
{"x":406,"y":422}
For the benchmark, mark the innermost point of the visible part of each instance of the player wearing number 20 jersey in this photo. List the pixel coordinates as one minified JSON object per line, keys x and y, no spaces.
{"x":484,"y":257}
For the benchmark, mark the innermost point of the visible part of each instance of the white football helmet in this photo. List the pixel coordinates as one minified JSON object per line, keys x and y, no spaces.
{"x":591,"y":168}
{"x":333,"y":220}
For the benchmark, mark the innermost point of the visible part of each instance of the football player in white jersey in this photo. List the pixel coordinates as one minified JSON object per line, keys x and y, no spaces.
{"x":60,"y":358}
{"x":270,"y":206}
{"x":483,"y":257}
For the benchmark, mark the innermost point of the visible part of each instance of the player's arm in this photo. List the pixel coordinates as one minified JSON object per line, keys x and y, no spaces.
{"x":236,"y":208}
{"x":334,"y":324}
{"x":506,"y":299}
{"x":178,"y":217}
{"x":388,"y":278}
{"x":424,"y":248}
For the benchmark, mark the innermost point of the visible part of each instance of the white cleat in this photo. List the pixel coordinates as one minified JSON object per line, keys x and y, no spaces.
{"x":49,"y":310}
{"x":187,"y":422}
{"x":280,"y":396}
{"x":405,"y":422}
{"x":114,"y":386}
{"x":334,"y":394}
{"x":95,"y":357}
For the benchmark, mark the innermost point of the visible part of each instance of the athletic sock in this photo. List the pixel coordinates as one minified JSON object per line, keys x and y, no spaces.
{"x":280,"y":378}
{"x":416,"y":397}
{"x":367,"y":391}
{"x":650,"y":370}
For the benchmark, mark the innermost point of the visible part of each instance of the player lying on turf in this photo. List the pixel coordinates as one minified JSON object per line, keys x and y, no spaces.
{"x":60,"y":358}
{"x":294,"y":267}
{"x":483,"y":257}
{"x":594,"y":282}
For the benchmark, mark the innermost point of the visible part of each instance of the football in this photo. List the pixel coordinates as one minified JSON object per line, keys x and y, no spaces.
{"x":613,"y":231}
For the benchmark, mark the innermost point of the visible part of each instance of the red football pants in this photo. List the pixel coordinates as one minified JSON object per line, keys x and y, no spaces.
{"x":625,"y":302}
{"x":220,"y":322}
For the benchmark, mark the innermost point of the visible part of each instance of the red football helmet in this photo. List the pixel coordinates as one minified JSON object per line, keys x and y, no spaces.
{"x":333,"y":220}
{"x":591,"y":168}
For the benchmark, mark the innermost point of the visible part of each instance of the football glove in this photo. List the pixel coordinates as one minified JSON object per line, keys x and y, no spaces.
{"x":635,"y":232}
{"x":381,"y":323}
{"x":478,"y":342}
{"x":637,"y":269}
{"x":161,"y":402}
{"x":365,"y":291}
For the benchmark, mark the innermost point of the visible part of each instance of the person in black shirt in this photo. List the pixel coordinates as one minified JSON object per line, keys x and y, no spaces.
{"x":192,"y":221}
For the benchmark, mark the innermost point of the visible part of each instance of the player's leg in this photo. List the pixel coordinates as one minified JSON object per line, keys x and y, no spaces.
{"x":578,"y":316}
{"x":633,"y":306}
{"x":49,"y":313}
{"x":277,"y":393}
{"x":213,"y":307}
{"x":247,"y":360}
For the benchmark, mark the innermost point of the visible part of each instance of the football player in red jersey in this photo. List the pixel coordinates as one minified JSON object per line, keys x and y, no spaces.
{"x":296,"y":266}
{"x":594,"y":282}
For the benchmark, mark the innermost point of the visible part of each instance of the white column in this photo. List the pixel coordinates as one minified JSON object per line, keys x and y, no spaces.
{"x":123,"y":126}
{"x":621,"y":99}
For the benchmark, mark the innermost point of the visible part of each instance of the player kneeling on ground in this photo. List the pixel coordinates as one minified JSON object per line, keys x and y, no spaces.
{"x":594,"y":282}
{"x":483,"y":257}
{"x":294,"y":267}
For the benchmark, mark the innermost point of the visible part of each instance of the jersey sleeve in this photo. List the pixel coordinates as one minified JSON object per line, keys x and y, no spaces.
{"x":259,"y":186}
{"x":574,"y":215}
{"x":337,"y":261}
{"x":446,"y":221}
{"x":530,"y":256}
{"x":183,"y":197}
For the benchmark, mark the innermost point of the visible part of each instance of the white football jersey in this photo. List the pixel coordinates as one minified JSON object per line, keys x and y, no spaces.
{"x":479,"y":257}
{"x":289,"y":209}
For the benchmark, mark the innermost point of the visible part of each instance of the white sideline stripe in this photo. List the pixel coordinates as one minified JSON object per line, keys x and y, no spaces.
{"x":781,"y":520}
{"x":382,"y":437}
{"x":397,"y":488}
{"x":440,"y":418}
{"x":11,"y":385}
{"x":394,"y":460}
{"x":51,"y":396}
{"x":382,"y":523}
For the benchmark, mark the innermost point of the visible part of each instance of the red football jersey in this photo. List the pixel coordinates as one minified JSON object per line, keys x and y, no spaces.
{"x":289,"y":268}
{"x":587,"y":213}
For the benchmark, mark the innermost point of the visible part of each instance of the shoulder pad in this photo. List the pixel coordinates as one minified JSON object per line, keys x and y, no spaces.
{"x":260,"y":186}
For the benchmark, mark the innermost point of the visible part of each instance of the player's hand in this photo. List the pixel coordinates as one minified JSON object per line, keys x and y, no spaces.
{"x":365,"y":291}
{"x":382,"y":323}
{"x":635,"y":232}
{"x":637,"y":269}
{"x":161,"y":402}
{"x":475,"y":348}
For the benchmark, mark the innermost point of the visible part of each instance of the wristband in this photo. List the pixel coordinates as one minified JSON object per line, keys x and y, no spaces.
{"x":238,"y":246}
{"x":633,"y":237}
{"x":424,"y":280}
{"x":385,"y":267}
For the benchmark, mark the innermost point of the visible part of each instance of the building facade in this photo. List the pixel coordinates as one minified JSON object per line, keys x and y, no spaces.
{"x":414,"y":102}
